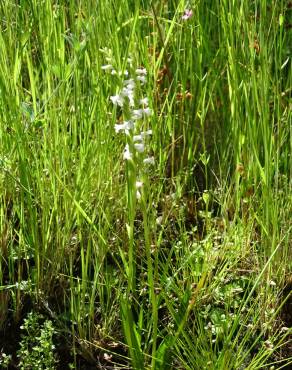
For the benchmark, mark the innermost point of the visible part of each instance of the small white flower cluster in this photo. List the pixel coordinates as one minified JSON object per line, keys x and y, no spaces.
{"x":135,"y":110}
{"x":109,"y":67}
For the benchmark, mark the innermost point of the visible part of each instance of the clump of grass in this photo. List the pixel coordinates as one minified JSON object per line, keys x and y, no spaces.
{"x":36,"y":346}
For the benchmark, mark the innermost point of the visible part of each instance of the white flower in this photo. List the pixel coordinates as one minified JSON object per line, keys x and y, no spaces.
{"x":140,"y":147}
{"x":141,"y":71}
{"x":147,"y":111}
{"x":137,"y":138}
{"x":126,"y":91}
{"x":127,"y":154}
{"x":129,"y":93}
{"x":142,"y":79}
{"x":130,"y":84}
{"x":159,"y":220}
{"x":131,"y":100}
{"x":107,"y":67}
{"x":142,"y":135}
{"x":146,"y":133}
{"x":139,"y":184}
{"x":113,"y":72}
{"x":149,"y":160}
{"x":107,"y":357}
{"x":284,"y":329}
{"x":126,"y":126}
{"x":138,"y":195}
{"x":117,"y":100}
{"x":137,"y":114}
{"x":144,"y":101}
{"x":126,"y":73}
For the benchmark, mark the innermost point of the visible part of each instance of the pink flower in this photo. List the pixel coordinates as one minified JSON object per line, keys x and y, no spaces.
{"x":187,"y":14}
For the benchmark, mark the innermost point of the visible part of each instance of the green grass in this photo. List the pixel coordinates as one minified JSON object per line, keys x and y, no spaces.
{"x":195,"y":271}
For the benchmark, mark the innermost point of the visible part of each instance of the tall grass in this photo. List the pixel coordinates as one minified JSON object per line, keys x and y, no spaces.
{"x":197,"y":273}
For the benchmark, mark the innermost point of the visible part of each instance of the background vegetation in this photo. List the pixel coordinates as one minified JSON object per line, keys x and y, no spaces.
{"x":194,"y":272}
